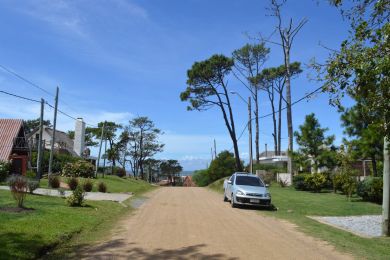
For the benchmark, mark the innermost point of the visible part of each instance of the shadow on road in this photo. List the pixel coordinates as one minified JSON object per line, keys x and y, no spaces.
{"x":120,"y":249}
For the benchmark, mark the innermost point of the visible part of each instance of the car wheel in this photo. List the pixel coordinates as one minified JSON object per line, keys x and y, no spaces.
{"x":224,"y":197}
{"x":232,"y":203}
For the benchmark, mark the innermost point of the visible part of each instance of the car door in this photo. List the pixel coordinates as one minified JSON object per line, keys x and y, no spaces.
{"x":228,"y":191}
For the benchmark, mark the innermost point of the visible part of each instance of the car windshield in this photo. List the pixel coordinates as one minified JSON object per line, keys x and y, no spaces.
{"x":248,"y":181}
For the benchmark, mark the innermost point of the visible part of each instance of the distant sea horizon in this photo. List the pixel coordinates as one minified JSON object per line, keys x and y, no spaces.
{"x":186,"y":173}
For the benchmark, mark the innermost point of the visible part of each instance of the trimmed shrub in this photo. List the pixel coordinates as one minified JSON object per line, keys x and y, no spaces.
{"x":120,"y":172}
{"x":77,"y":197}
{"x":87,"y":185}
{"x":72,"y":183}
{"x":4,"y":170}
{"x":371,"y":189}
{"x":79,"y":168}
{"x":315,"y":182}
{"x":102,"y":187}
{"x":54,"y":181}
{"x":31,"y":174}
{"x":18,"y":187}
{"x":299,"y":182}
{"x":32,"y":185}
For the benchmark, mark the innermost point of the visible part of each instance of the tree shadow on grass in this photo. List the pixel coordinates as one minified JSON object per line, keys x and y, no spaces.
{"x":120,"y":249}
{"x":21,"y":246}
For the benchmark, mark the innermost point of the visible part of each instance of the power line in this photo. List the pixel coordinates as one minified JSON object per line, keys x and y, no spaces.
{"x":25,"y":80}
{"x":38,"y":101}
{"x":270,"y":114}
{"x":21,"y":97}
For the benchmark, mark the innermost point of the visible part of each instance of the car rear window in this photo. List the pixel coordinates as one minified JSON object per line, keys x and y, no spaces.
{"x":248,"y":181}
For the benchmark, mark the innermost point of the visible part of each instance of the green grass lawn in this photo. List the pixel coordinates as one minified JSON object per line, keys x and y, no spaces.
{"x":114,"y":184}
{"x":52,"y":225}
{"x":295,"y":206}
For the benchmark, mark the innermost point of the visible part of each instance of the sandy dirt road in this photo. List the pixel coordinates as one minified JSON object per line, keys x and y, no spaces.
{"x":194,"y":223}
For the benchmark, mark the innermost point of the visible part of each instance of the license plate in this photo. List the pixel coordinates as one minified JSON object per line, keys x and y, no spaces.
{"x":254,"y":201}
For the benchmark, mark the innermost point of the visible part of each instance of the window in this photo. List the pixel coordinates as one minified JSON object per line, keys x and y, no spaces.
{"x":249,"y":181}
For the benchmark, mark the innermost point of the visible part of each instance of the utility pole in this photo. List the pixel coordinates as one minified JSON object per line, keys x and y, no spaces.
{"x":215,"y":149}
{"x":250,"y":136}
{"x":54,"y":133}
{"x":386,"y":189}
{"x":212,"y":154}
{"x":105,"y":153}
{"x":40,"y":151}
{"x":100,"y":149}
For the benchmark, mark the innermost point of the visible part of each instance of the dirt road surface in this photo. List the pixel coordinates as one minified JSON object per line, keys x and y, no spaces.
{"x":194,"y":223}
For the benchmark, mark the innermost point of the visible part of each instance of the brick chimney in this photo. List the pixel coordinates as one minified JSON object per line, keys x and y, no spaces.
{"x":79,"y":137}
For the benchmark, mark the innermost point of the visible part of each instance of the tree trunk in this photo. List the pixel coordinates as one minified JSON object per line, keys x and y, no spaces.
{"x":386,"y":189}
{"x":257,"y":126}
{"x":289,"y":112}
{"x":374,"y":169}
{"x":280,"y":124}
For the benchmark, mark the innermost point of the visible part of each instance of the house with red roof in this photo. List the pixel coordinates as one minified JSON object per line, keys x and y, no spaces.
{"x":13,"y":145}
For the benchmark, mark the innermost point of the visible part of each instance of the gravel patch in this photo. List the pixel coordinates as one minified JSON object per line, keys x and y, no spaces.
{"x":365,"y":226}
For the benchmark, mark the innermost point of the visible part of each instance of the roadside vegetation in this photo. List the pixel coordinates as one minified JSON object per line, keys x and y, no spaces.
{"x":114,"y":183}
{"x":47,"y":223}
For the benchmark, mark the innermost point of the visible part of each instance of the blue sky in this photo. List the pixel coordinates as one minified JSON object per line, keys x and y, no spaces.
{"x":117,"y":59}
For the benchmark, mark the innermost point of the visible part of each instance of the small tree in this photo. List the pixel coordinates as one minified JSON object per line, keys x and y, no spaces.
{"x":313,"y":143}
{"x":222,"y":166}
{"x":18,"y":186}
{"x":171,"y":168}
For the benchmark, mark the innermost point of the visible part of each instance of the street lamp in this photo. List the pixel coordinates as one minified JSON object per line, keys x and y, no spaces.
{"x":249,"y":128}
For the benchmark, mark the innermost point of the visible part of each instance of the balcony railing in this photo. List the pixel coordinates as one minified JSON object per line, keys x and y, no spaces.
{"x":20,"y":143}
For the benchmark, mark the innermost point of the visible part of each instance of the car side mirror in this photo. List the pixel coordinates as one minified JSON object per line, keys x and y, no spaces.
{"x":267,"y":185}
{"x":229,"y":182}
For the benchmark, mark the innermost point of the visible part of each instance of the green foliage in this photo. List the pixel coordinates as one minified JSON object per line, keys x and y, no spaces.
{"x":77,"y":197}
{"x":360,"y":68}
{"x":79,"y":168}
{"x":201,"y":178}
{"x":72,"y":182}
{"x":18,"y":187}
{"x":222,"y":166}
{"x":119,"y":171}
{"x":59,"y":161}
{"x":32,"y":185}
{"x":4,"y":170}
{"x":315,"y":182}
{"x":31,"y":174}
{"x":371,"y":189}
{"x":299,"y":181}
{"x":314,"y":145}
{"x":32,"y":124}
{"x":54,"y":181}
{"x":87,"y":185}
{"x":102,"y":187}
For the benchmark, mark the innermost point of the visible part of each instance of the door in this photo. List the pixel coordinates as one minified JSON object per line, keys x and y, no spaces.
{"x":228,"y":191}
{"x":17,"y":166}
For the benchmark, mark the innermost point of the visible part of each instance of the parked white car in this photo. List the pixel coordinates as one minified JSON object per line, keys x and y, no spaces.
{"x":246,"y":189}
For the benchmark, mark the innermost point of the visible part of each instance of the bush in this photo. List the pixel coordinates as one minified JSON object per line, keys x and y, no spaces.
{"x":32,"y":185}
{"x":102,"y":187}
{"x":79,"y":168}
{"x":201,"y":178}
{"x":87,"y":185}
{"x":4,"y":170}
{"x":18,"y":187}
{"x":77,"y":197}
{"x":54,"y":181}
{"x":299,"y":182}
{"x":120,"y":172}
{"x":371,"y":189}
{"x":315,"y":182}
{"x":72,"y":183}
{"x":31,"y":174}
